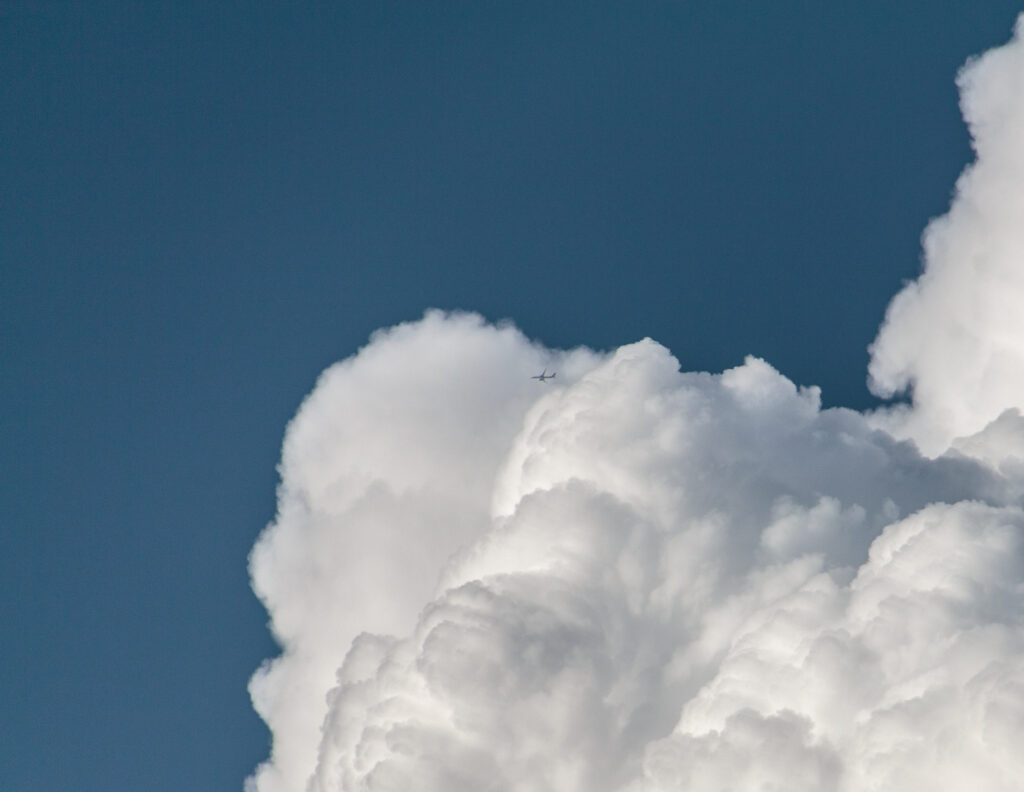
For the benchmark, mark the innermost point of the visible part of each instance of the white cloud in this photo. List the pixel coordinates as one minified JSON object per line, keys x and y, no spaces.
{"x":633,"y":578}
{"x":386,"y":470}
{"x":955,"y":336}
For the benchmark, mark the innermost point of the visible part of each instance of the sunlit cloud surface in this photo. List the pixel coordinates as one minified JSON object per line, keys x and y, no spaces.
{"x":633,"y":578}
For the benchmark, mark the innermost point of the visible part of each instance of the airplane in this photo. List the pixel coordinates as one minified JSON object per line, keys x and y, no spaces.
{"x":545,"y":376}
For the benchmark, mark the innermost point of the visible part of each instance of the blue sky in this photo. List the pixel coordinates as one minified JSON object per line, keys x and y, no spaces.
{"x":202,"y":207}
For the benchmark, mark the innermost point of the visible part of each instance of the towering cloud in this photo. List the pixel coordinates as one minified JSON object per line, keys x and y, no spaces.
{"x":635,"y":579}
{"x":955,"y":336}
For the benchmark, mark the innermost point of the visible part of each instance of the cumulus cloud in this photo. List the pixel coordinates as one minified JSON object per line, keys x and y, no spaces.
{"x":386,"y":471}
{"x":637,"y":579}
{"x":953,"y":337}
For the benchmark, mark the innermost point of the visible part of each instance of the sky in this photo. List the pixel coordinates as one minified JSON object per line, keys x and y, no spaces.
{"x":204,"y":206}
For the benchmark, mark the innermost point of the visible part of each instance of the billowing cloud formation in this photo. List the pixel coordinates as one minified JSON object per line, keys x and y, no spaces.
{"x":636,"y":579}
{"x":954,"y":336}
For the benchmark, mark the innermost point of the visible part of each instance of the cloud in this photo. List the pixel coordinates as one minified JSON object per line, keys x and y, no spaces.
{"x":955,"y":336}
{"x":636,"y":579}
{"x":386,"y":471}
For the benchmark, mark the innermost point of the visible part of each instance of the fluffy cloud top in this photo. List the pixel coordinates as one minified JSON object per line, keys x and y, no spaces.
{"x":954,"y":336}
{"x":636,"y":579}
